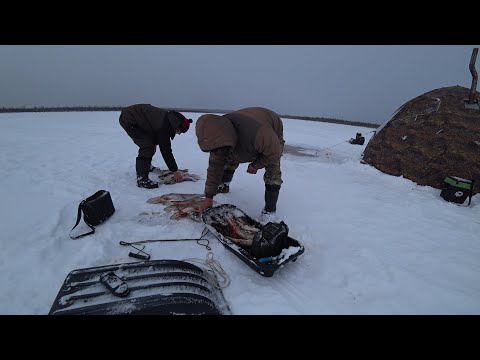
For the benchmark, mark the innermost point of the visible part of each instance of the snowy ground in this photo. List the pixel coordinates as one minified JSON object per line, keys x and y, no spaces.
{"x":374,"y":244}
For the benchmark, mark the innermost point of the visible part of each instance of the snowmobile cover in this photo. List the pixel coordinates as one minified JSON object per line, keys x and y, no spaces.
{"x":164,"y":287}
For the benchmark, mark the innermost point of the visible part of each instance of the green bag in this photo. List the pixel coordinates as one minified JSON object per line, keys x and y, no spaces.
{"x":457,"y":190}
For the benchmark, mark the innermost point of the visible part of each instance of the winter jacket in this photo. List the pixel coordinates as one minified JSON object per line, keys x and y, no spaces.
{"x":153,"y":126}
{"x":249,"y":135}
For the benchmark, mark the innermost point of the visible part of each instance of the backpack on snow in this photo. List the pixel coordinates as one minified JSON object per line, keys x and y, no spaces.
{"x":457,"y":190}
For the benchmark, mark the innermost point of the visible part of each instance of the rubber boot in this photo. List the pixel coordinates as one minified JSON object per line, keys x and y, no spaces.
{"x":271,"y":197}
{"x":143,"y":168}
{"x":227,"y":177}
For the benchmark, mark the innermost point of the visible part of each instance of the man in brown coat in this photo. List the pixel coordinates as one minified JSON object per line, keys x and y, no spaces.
{"x":149,"y":126}
{"x":253,"y":135}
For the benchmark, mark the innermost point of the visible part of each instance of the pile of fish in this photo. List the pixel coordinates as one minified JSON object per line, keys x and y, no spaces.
{"x":235,"y":227}
{"x":180,"y":205}
{"x":165,"y":177}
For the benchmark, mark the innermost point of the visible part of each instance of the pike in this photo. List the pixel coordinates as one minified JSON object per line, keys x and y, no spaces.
{"x":192,"y":211}
{"x":182,"y":205}
{"x":169,"y":179}
{"x":166,"y":177}
{"x":241,"y":232}
{"x":172,"y":198}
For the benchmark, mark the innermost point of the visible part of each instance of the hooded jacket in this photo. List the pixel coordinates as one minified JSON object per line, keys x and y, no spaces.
{"x":155,"y":126}
{"x":247,"y":135}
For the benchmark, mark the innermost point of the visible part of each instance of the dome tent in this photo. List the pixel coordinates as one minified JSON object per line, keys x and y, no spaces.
{"x":430,"y":137}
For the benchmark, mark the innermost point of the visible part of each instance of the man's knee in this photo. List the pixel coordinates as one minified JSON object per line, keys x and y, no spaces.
{"x":273,"y":174}
{"x":273,"y":182}
{"x":146,"y":152}
{"x":231,"y":167}
{"x":273,"y":178}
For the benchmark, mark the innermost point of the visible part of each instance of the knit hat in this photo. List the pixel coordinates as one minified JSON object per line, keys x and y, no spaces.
{"x":185,"y":124}
{"x":179,"y":121}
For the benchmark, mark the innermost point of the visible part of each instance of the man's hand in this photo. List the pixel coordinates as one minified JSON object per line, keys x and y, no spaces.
{"x":178,"y":177}
{"x":207,"y":203}
{"x":251,"y":169}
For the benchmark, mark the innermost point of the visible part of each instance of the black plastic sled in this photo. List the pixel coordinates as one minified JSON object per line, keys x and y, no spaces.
{"x":160,"y":287}
{"x":217,"y":219}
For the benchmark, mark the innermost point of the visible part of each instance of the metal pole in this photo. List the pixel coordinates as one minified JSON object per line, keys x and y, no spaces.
{"x":473,"y":90}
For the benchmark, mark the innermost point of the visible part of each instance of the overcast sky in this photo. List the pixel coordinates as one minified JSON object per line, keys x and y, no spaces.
{"x":357,"y":82}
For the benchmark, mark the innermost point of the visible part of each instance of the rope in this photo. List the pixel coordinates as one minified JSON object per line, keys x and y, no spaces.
{"x":213,"y":270}
{"x":329,"y":147}
{"x":406,"y":117}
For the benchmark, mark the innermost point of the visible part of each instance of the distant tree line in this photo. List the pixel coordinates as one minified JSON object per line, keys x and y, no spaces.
{"x":119,"y":108}
{"x":332,"y":120}
{"x":60,"y":109}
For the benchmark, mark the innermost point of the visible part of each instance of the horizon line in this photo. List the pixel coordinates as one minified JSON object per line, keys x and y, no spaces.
{"x":194,"y":110}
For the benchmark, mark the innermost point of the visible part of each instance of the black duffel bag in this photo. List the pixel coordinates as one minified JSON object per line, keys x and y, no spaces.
{"x":96,"y":209}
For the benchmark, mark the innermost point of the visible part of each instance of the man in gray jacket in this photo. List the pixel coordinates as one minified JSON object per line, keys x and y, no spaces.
{"x":149,"y":126}
{"x":253,"y":135}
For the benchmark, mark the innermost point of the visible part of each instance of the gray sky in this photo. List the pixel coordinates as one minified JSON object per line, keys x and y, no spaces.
{"x":357,"y":82}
